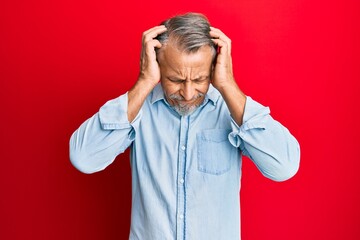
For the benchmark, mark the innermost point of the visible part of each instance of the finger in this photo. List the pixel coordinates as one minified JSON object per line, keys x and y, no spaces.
{"x":225,"y":48}
{"x":222,"y":48}
{"x":153,"y":32}
{"x":218,"y":34}
{"x":154,"y":28}
{"x":149,"y":47}
{"x":224,"y":55}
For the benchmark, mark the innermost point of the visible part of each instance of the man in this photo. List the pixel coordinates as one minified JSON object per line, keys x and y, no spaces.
{"x":186,"y":134}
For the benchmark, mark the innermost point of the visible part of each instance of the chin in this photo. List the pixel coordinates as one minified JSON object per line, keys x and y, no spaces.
{"x":184,"y":110}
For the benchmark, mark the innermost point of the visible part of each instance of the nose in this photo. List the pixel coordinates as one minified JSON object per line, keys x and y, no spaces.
{"x":188,"y":91}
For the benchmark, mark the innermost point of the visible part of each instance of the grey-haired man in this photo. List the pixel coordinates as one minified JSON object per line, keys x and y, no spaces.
{"x":187,"y":123}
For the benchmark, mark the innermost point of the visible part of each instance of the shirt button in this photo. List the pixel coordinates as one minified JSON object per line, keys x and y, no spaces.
{"x":181,"y":181}
{"x":183,"y":147}
{"x":181,"y":216}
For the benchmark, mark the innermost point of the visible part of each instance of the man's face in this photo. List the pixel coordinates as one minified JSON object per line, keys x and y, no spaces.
{"x":185,"y":78}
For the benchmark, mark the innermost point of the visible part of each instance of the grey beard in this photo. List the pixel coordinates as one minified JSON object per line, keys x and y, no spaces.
{"x":184,"y":109}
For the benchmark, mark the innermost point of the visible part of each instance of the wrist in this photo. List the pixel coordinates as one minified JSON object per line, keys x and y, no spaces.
{"x":225,"y":86}
{"x":145,"y":83}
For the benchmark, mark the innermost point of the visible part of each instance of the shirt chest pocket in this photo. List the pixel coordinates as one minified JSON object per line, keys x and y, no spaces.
{"x":215,"y":153}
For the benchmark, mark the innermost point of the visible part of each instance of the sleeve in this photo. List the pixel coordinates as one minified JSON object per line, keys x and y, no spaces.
{"x":270,"y":145}
{"x":108,"y":133}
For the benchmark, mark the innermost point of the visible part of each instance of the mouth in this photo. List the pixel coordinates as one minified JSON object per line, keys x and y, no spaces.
{"x":188,"y":104}
{"x":184,"y":102}
{"x":181,"y":101}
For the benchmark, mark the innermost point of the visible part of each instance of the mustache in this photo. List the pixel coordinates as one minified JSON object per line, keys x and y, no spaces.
{"x":180,"y":98}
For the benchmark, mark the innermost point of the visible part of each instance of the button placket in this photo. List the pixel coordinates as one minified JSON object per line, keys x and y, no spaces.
{"x":181,"y":193}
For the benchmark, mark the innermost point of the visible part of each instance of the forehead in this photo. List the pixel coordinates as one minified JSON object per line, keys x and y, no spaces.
{"x":173,"y":60}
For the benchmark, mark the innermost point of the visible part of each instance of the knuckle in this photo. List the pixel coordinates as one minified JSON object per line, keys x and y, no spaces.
{"x":145,"y":34}
{"x":146,"y":40}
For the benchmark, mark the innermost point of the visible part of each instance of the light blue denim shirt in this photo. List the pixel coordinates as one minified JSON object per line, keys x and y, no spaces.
{"x":186,"y":171}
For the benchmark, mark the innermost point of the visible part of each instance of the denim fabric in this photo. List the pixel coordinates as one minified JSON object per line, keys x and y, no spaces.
{"x":186,"y":170}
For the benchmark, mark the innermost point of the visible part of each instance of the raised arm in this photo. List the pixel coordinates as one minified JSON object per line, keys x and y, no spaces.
{"x":223,"y":78}
{"x":264,"y":140}
{"x":97,"y":142}
{"x":149,"y":71}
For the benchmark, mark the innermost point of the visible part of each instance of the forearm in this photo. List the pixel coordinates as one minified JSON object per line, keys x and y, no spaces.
{"x":235,"y":100}
{"x":269,"y":144}
{"x":274,"y":151}
{"x":96,"y":143}
{"x":136,"y":97}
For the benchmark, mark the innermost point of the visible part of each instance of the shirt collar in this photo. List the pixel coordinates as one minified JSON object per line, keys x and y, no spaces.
{"x":158,"y":94}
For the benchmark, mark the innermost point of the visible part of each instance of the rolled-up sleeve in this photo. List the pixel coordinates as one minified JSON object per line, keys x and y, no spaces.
{"x":97,"y":142}
{"x":270,"y":145}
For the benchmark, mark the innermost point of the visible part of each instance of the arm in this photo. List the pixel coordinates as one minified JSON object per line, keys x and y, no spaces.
{"x":149,"y":71}
{"x":270,"y":145}
{"x":223,"y":77}
{"x":265,"y":141}
{"x":96,"y":143}
{"x":110,"y":131}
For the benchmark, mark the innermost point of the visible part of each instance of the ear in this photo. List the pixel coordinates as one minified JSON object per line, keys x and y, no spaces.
{"x":159,"y":54}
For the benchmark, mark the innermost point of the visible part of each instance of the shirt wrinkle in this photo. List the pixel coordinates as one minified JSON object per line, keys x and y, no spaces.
{"x":185,"y":170}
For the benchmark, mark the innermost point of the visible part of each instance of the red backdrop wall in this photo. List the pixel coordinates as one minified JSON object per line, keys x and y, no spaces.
{"x":61,"y":60}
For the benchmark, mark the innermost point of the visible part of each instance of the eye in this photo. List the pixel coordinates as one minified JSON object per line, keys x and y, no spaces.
{"x":201,"y":80}
{"x":177,"y":81}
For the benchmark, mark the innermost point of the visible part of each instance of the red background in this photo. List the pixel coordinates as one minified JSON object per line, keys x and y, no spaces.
{"x":61,"y":60}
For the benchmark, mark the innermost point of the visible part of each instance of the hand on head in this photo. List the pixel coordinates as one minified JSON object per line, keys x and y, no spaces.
{"x":149,"y":67}
{"x":223,"y":70}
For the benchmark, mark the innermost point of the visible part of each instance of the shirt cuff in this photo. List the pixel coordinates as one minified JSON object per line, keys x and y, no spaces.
{"x":113,"y":114}
{"x":254,"y":118}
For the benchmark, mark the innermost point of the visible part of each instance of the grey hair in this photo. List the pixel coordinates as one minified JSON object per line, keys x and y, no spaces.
{"x":189,"y":32}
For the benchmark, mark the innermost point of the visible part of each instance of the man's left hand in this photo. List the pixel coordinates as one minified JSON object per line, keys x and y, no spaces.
{"x":223,"y":71}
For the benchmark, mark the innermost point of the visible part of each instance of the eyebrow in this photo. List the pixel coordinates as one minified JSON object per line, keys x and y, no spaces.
{"x":182,"y":79}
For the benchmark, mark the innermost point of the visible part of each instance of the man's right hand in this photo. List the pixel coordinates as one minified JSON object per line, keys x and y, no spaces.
{"x":149,"y":67}
{"x":149,"y":72}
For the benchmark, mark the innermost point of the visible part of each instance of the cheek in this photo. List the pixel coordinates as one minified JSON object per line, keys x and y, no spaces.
{"x":170,"y":88}
{"x":204,"y":88}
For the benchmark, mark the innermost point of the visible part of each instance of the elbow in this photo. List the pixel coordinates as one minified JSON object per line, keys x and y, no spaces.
{"x":79,"y":155}
{"x":79,"y":161}
{"x":288,"y":167}
{"x":285,"y":172}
